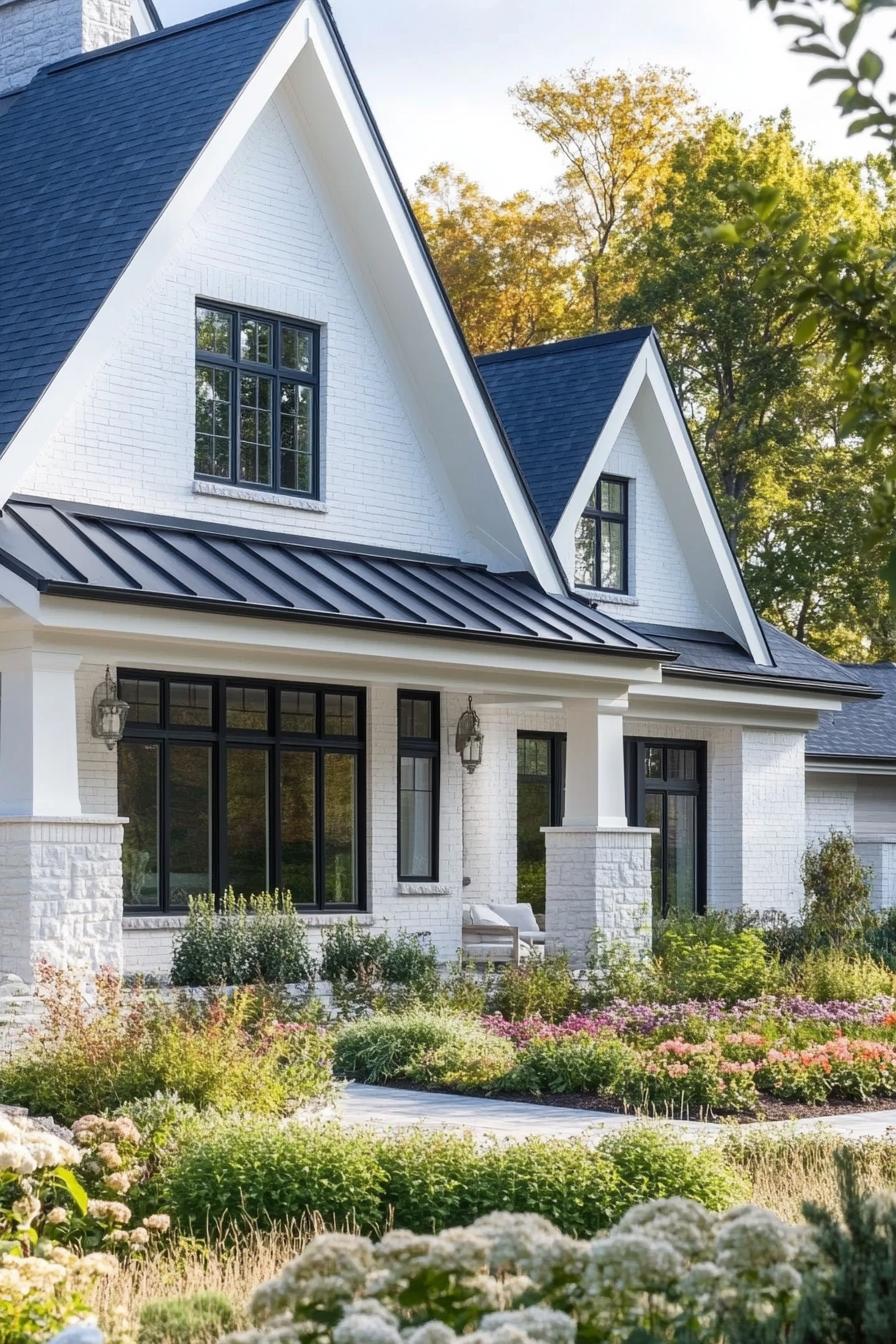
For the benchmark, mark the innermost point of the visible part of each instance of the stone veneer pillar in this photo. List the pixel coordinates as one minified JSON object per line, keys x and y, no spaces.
{"x":598,"y":867}
{"x":597,"y":878}
{"x":60,"y":893}
{"x":60,"y":871}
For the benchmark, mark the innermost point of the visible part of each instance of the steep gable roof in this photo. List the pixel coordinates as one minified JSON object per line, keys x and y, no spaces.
{"x":90,"y":153}
{"x":553,"y":401}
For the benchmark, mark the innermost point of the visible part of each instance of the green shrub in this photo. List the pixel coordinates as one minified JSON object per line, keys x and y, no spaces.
{"x":542,"y":985}
{"x":580,"y":1063}
{"x":655,"y":1163}
{"x":373,"y":970}
{"x":89,"y":1058}
{"x":704,"y":957}
{"x":571,"y":1182}
{"x":421,"y":1046}
{"x":199,"y":1319}
{"x":832,"y":973}
{"x":246,"y":1171}
{"x":615,"y":971}
{"x":464,"y":988}
{"x":432,"y":1179}
{"x":259,"y":940}
{"x":837,"y":890}
{"x":242,"y":1172}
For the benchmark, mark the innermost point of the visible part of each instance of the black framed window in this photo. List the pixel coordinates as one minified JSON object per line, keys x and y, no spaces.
{"x":667,"y":791}
{"x":418,"y":786}
{"x":540,"y":793}
{"x":257,"y":395}
{"x":602,"y":538}
{"x":249,"y":784}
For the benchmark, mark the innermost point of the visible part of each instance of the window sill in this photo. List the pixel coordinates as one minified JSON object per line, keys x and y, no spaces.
{"x":612,"y":599}
{"x":422,"y":889}
{"x":227,"y":491}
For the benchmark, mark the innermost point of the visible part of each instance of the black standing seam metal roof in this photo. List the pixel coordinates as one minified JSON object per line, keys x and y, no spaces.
{"x":80,"y":551}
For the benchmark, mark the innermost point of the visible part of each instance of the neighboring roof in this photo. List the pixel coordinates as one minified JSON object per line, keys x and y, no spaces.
{"x":713,"y":652}
{"x":861,"y":731}
{"x":77,"y":550}
{"x":90,"y":153}
{"x":553,"y":401}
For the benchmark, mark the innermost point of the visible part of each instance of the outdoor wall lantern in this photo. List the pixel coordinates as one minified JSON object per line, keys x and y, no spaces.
{"x":109,"y":713}
{"x":468,"y":738}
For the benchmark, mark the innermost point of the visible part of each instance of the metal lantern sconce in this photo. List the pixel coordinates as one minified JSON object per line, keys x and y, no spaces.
{"x":109,"y":712}
{"x":468,"y":738}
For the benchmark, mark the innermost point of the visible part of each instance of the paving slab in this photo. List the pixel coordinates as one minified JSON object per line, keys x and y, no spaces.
{"x":486,"y":1117}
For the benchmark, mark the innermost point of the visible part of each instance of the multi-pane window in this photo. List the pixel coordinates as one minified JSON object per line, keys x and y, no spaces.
{"x":418,"y":786}
{"x":257,"y":385}
{"x":540,"y":792}
{"x":667,"y":792}
{"x":252,"y":785}
{"x":602,"y":538}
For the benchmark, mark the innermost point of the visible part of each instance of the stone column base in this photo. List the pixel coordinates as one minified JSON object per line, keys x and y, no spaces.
{"x":60,"y":893}
{"x":597,"y":878}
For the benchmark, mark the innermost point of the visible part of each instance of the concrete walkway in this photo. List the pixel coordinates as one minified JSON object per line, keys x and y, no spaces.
{"x":394,"y":1108}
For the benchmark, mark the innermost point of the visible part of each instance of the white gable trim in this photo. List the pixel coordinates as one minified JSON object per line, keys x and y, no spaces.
{"x":649,"y":370}
{"x":531,"y":548}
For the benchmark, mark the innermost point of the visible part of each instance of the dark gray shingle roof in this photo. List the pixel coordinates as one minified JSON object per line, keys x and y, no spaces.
{"x":712,"y":651}
{"x":75,"y":550}
{"x":862,"y":730}
{"x":90,"y":153}
{"x":553,"y":401}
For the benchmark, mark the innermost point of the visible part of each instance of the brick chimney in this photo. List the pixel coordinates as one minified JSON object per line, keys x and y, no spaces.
{"x":37,"y":32}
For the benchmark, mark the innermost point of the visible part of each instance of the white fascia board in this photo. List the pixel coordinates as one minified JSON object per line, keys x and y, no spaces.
{"x":237,"y":642}
{"x":816,"y":766}
{"x":127,"y":291}
{"x":533,"y":541}
{"x":709,"y":514}
{"x":564,"y":532}
{"x":733,"y":697}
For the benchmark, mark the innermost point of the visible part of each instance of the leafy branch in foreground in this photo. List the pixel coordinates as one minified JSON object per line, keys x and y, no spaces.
{"x":845,"y":287}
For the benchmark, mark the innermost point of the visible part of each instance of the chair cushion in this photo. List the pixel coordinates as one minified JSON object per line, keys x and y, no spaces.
{"x":520,"y":915}
{"x":487,"y":914}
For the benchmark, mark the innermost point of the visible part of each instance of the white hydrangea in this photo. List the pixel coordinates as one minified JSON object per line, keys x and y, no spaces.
{"x":536,"y":1323}
{"x":527,"y":1244}
{"x":631,"y":1264}
{"x":681,"y":1223}
{"x":367,"y":1322}
{"x":433,"y":1332}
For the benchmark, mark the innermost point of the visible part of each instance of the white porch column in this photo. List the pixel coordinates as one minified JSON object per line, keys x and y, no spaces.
{"x":60,"y":871}
{"x":38,"y":735}
{"x":598,"y":867}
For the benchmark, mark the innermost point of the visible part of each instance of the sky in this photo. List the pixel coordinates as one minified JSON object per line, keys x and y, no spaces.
{"x":437,"y":73}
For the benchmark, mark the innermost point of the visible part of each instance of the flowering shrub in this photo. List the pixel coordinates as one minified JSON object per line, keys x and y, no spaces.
{"x":670,"y":1270}
{"x":48,"y":1221}
{"x":99,"y":1047}
{"x":679,"y":1075}
{"x":572,"y":1062}
{"x":844,"y":1068}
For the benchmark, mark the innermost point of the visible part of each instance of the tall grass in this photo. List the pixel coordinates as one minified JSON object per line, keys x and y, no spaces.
{"x":790,"y":1169}
{"x":233,"y":1269}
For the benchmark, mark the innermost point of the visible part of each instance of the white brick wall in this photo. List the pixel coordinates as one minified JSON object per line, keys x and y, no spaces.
{"x":774,"y":819}
{"x":37,"y":32}
{"x":261,"y":239}
{"x":830,"y":805}
{"x":660,"y":582}
{"x":597,"y":878}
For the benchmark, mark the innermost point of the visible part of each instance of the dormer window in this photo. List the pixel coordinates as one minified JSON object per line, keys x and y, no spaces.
{"x":257,"y":380}
{"x":602,"y":538}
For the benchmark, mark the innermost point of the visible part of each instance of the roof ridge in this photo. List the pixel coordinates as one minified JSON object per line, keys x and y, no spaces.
{"x":619,"y":336}
{"x":144,"y":39}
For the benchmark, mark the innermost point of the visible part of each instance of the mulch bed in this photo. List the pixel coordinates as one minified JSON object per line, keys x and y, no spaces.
{"x":770,"y":1108}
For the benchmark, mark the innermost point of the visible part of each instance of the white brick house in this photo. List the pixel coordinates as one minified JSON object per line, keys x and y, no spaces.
{"x":247,"y":463}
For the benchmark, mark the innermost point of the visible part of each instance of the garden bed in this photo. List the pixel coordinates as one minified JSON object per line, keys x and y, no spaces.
{"x":769,"y":1109}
